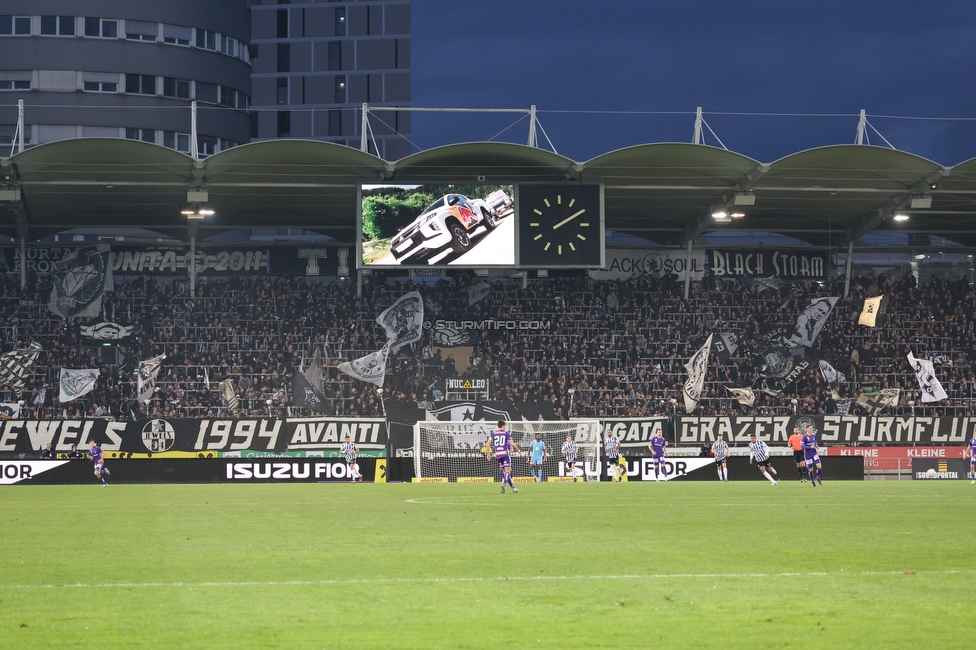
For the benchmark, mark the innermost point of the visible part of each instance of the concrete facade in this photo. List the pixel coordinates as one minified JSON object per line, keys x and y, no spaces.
{"x":316,"y":62}
{"x":126,"y":69}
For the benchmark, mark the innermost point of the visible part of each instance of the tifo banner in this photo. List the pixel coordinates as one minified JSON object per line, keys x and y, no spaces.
{"x":764,"y":262}
{"x":625,"y":263}
{"x":831,"y":429}
{"x":80,"y":281}
{"x":296,"y":261}
{"x":178,"y":436}
{"x":635,"y":434}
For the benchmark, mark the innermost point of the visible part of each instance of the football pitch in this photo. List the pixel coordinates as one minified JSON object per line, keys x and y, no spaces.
{"x":559,"y":565}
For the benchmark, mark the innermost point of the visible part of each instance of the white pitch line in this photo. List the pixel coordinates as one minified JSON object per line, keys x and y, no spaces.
{"x":395,"y":581}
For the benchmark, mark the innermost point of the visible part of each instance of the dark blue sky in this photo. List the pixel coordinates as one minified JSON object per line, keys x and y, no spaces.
{"x":892,"y":58}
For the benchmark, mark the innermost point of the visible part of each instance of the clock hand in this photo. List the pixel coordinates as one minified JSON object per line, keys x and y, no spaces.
{"x":568,"y":219}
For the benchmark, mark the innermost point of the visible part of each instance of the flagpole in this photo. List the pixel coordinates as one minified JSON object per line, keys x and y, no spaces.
{"x":379,"y":392}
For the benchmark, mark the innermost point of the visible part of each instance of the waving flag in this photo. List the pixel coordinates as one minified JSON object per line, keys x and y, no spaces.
{"x":146,"y":377}
{"x":875,"y":400}
{"x":80,"y":281}
{"x":744,"y":396}
{"x":697,"y":367}
{"x":371,"y":368}
{"x":830,"y":374}
{"x":871,"y":310}
{"x":403,"y":320}
{"x":932,"y":390}
{"x":811,"y":321}
{"x":75,"y":383}
{"x":16,"y":365}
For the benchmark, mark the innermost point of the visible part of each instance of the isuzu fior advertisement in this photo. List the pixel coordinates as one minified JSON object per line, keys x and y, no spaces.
{"x":438,"y":225}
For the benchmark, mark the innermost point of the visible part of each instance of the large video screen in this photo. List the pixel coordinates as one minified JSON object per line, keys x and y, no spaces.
{"x":438,"y":225}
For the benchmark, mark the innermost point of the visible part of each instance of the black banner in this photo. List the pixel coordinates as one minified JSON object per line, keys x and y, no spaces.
{"x":190,"y":470}
{"x":764,"y":263}
{"x":635,"y":434}
{"x":174,"y":260}
{"x":831,"y":429}
{"x":159,"y":436}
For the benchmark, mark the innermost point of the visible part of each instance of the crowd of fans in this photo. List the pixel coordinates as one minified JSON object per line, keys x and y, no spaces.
{"x":610,"y":348}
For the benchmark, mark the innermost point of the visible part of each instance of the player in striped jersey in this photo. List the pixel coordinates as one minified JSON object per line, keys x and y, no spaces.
{"x":349,"y":450}
{"x":611,"y":446}
{"x":569,"y":451}
{"x":720,"y":449}
{"x":759,"y":451}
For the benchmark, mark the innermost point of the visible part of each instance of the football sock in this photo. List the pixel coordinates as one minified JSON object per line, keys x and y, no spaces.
{"x":720,"y":474}
{"x":766,"y":474}
{"x":102,"y":479}
{"x":725,"y":473}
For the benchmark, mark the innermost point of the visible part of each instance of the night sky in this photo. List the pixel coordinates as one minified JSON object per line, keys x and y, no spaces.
{"x":584,"y":62}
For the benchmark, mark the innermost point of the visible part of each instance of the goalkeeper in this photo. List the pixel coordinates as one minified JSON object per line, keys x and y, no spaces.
{"x":537,"y":456}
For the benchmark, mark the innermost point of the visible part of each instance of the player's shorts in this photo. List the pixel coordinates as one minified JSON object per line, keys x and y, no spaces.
{"x":99,"y":467}
{"x":812,"y":459}
{"x":721,"y":461}
{"x":614,"y":459}
{"x":504,"y":461}
{"x":537,"y":460}
{"x":798,"y":456}
{"x":350,"y":461}
{"x":972,"y":461}
{"x":764,"y":463}
{"x":658,"y":459}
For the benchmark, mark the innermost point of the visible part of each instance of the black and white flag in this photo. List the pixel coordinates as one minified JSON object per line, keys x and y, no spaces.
{"x":782,"y":368}
{"x":477,"y":292}
{"x":146,"y":375}
{"x":80,"y":281}
{"x":811,"y":321}
{"x":403,"y":320}
{"x":873,"y":308}
{"x":371,"y":368}
{"x":306,"y":395}
{"x":106,"y":331}
{"x":228,"y":393}
{"x":830,"y":374}
{"x":726,"y":343}
{"x":875,"y":400}
{"x":745,"y":396}
{"x":932,"y":390}
{"x":76,"y":383}
{"x":9,"y":411}
{"x":15,"y":367}
{"x":697,"y":367}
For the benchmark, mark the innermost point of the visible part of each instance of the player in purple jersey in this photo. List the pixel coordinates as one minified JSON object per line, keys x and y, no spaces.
{"x":95,"y":453}
{"x":814,"y":468}
{"x":659,"y":450}
{"x":971,"y":452}
{"x":503,"y":445}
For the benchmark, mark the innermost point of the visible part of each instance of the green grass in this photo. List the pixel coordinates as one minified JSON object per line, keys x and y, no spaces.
{"x":704,"y":565}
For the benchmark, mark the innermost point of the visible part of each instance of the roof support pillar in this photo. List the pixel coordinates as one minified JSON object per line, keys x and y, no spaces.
{"x":194,"y":229}
{"x":194,"y":149}
{"x":847,"y":272}
{"x":688,"y":271}
{"x":22,"y":228}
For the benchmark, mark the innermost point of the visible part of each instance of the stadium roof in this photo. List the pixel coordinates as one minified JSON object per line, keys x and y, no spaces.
{"x":666,"y":193}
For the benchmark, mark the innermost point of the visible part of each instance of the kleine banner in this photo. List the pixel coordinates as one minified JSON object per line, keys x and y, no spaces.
{"x":892,"y":457}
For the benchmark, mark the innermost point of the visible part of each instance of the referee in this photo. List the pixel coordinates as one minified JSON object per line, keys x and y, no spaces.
{"x":796,"y":443}
{"x":759,"y":451}
{"x":611,"y":446}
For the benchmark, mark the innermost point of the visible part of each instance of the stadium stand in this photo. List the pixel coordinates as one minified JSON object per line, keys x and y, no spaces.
{"x":614,"y":349}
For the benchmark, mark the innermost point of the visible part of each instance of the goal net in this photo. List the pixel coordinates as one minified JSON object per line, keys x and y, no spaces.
{"x":455,"y":451}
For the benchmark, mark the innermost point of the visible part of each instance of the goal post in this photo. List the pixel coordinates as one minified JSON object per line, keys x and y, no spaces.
{"x":455,"y":451}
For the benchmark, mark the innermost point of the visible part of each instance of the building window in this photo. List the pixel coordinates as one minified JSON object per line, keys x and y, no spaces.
{"x":340,"y":89}
{"x":228,"y":97}
{"x":15,"y":85}
{"x":228,"y":46}
{"x":100,"y":27}
{"x":176,"y":88}
{"x":206,"y":93}
{"x":206,"y":146}
{"x":138,"y":30}
{"x":282,"y":23}
{"x":101,"y":87}
{"x":146,"y":135}
{"x":18,"y":25}
{"x":335,"y":55}
{"x":177,"y":141}
{"x":284,"y":124}
{"x":282,"y":90}
{"x":284,"y":57}
{"x":206,"y":40}
{"x":340,"y":21}
{"x":140,"y":84}
{"x":58,"y":25}
{"x":335,"y":122}
{"x":177,"y":35}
